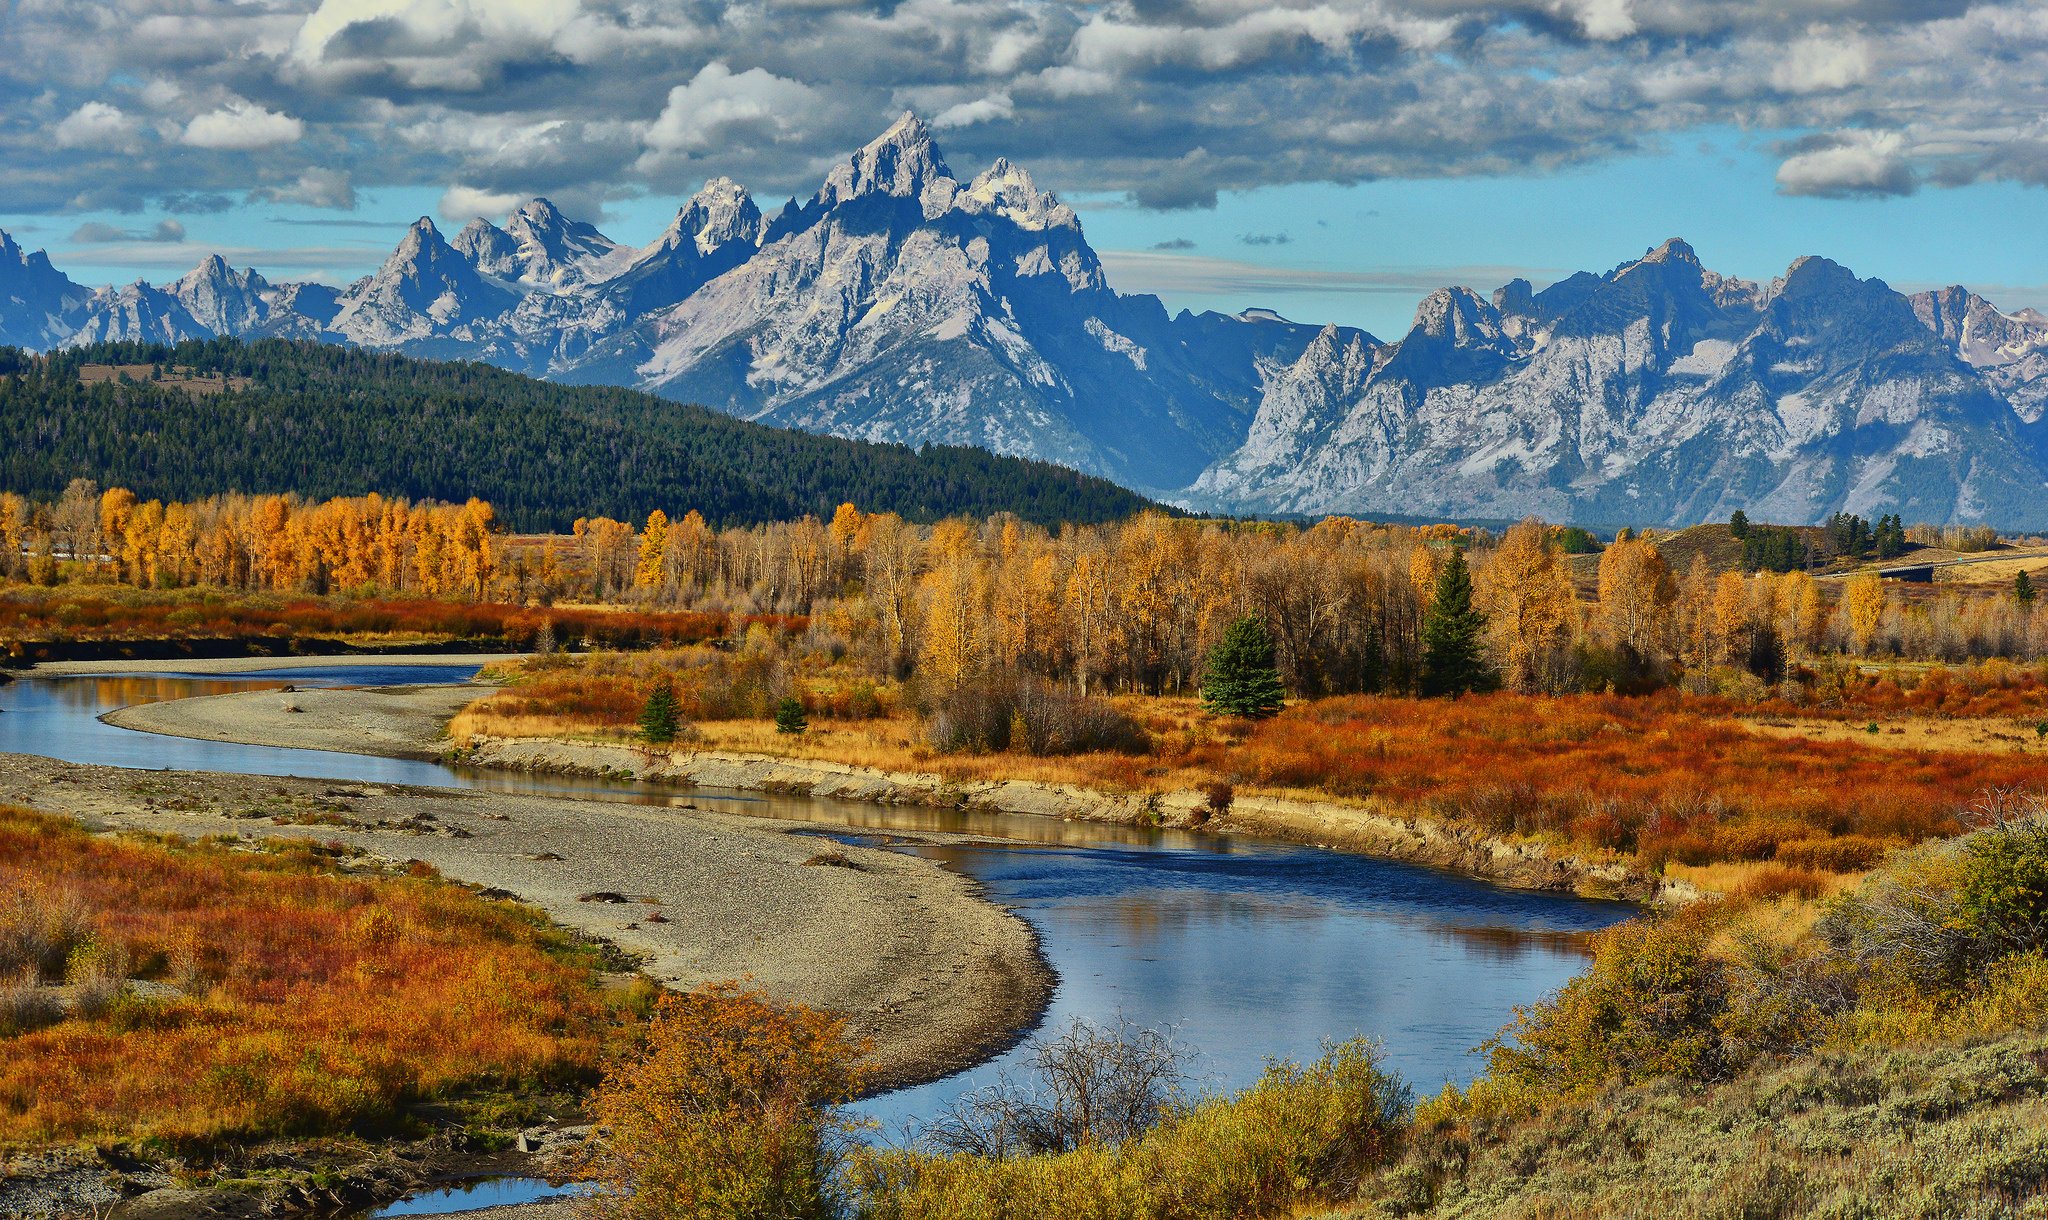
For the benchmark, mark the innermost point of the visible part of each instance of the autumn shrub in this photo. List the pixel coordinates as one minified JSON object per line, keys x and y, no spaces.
{"x":994,"y":713}
{"x":1754,"y":839}
{"x":1850,"y":853}
{"x":731,"y":1111}
{"x":39,"y":929}
{"x":99,"y":612}
{"x":1087,"y":1085}
{"x":310,"y":1002}
{"x":1300,"y":1137}
{"x":1647,"y":1007}
{"x":1779,"y":881}
{"x":26,"y":1005}
{"x":1938,"y":918}
{"x":1659,"y":776}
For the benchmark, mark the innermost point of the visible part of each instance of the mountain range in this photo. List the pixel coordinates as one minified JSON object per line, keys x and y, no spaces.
{"x":903,"y":303}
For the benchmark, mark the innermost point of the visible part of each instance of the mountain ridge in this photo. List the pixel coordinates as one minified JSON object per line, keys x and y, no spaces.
{"x":900,"y":302}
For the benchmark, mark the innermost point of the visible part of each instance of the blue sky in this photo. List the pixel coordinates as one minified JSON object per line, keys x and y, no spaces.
{"x":1332,"y":159}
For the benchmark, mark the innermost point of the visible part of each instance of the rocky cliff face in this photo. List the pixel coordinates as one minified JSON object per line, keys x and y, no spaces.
{"x":1657,"y":393}
{"x":39,"y":305}
{"x":904,"y":302}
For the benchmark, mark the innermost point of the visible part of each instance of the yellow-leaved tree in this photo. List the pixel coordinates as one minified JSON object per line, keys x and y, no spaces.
{"x":1863,"y":604}
{"x":1636,"y":594}
{"x":1526,"y":592}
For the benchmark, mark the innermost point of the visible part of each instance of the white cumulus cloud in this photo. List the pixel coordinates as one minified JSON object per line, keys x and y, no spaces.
{"x":720,"y":107}
{"x":95,"y":125}
{"x":462,"y":203}
{"x":1850,"y":163}
{"x":242,"y":126}
{"x":993,"y":108}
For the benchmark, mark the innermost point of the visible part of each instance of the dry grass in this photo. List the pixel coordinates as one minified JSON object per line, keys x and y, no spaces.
{"x":314,"y":1001}
{"x":1986,"y":735}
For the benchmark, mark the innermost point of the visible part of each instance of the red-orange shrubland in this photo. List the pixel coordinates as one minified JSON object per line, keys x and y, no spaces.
{"x":1661,"y":776}
{"x":32,"y":618}
{"x":309,"y":1002}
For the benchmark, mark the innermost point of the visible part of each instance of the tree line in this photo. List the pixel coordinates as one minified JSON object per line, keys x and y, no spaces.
{"x":366,"y":545}
{"x":1133,"y":606}
{"x":325,"y":421}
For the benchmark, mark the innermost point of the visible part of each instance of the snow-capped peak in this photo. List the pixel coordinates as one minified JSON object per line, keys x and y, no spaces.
{"x":1674,"y":250}
{"x":1459,"y":314}
{"x":903,"y":162}
{"x":1006,"y":190}
{"x":716,"y":216}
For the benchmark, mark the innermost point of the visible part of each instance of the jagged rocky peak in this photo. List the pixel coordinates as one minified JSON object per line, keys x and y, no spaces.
{"x":715,"y":217}
{"x":539,"y":224}
{"x":1459,"y":315}
{"x":903,"y":162}
{"x":1006,"y":190}
{"x":221,"y":299}
{"x":490,"y":248}
{"x":1674,"y":250}
{"x":214,"y":270}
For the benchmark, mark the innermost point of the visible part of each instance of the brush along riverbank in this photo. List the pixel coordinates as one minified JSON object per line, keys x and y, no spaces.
{"x":408,"y":723}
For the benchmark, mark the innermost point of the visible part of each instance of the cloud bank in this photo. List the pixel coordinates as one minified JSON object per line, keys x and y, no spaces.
{"x":153,"y":102}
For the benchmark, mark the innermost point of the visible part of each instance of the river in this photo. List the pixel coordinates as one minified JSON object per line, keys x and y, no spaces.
{"x":1242,"y":948}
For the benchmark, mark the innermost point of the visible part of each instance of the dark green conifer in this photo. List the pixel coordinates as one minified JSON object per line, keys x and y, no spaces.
{"x":659,"y":719}
{"x":1453,"y":654}
{"x":1241,"y":678}
{"x":789,"y":715}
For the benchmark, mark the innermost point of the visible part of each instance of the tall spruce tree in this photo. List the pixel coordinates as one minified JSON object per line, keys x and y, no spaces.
{"x":1241,"y":678}
{"x":2023,"y":589}
{"x":1453,"y":654}
{"x":659,"y":719}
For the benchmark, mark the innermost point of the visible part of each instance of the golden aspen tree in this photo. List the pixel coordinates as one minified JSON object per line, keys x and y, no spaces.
{"x":429,"y":558}
{"x":177,"y":546}
{"x":1527,"y":594}
{"x":13,"y":535}
{"x":1636,"y":594}
{"x":140,"y":536}
{"x":471,"y":548}
{"x":1802,"y":613}
{"x":649,"y":571}
{"x":1425,"y":562}
{"x":952,"y":628}
{"x":116,"y":505}
{"x":1730,"y":619}
{"x":1863,"y":605}
{"x":1694,"y":615}
{"x":889,"y":557}
{"x":843,"y":534}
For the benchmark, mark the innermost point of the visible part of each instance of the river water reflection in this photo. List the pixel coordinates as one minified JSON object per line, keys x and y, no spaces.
{"x":1246,"y":949}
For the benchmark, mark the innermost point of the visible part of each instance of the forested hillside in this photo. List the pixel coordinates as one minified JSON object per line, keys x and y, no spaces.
{"x":325,"y":421}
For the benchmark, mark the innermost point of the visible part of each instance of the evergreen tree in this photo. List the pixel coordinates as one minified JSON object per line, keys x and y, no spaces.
{"x":789,"y":715}
{"x":1241,"y":678}
{"x":2023,"y":589}
{"x":1891,"y":536}
{"x":659,"y":720}
{"x":1453,"y":654}
{"x":1738,"y":524}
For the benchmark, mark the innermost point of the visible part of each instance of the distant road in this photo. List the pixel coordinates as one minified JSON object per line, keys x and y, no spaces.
{"x":1925,"y":571}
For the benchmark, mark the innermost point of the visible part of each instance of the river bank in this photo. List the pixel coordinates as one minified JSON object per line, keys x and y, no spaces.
{"x":249,"y":665}
{"x":920,"y":963}
{"x":410,"y":730}
{"x":935,"y":976}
